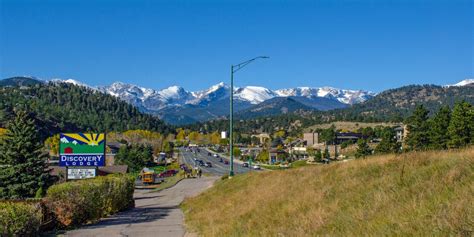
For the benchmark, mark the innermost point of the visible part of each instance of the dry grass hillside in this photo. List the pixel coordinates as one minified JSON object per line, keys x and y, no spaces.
{"x":415,"y":194}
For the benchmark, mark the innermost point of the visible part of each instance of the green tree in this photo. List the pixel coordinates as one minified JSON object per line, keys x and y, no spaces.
{"x":23,"y":161}
{"x":326,"y":154}
{"x":318,"y":156}
{"x":439,"y":128}
{"x":263,"y":156}
{"x":418,"y":129}
{"x":389,"y":142}
{"x":237,"y":152}
{"x":363,"y":149}
{"x":461,"y":127}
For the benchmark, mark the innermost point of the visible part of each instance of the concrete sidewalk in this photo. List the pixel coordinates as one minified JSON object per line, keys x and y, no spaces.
{"x":155,"y":213}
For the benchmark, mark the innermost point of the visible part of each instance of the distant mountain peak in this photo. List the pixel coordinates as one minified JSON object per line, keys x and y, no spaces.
{"x":464,"y":82}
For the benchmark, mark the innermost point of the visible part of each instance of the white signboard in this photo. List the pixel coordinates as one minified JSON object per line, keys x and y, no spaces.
{"x":224,"y":135}
{"x":81,"y":173}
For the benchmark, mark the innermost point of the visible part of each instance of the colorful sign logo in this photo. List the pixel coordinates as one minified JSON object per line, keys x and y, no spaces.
{"x":81,"y":149}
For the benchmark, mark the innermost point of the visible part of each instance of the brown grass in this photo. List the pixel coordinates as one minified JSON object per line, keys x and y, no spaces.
{"x":425,"y":193}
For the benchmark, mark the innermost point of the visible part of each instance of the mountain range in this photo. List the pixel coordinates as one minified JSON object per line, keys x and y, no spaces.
{"x":176,"y":105}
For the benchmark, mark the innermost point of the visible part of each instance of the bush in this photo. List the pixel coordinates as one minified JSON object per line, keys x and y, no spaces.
{"x":19,"y":219}
{"x":78,"y":202}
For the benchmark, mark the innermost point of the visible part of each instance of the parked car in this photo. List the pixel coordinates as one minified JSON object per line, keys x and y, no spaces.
{"x":167,"y":173}
{"x":216,"y":155}
{"x":208,"y":164}
{"x":226,"y":162}
{"x":221,"y":160}
{"x":209,"y":154}
{"x":256,"y":167}
{"x":245,"y":164}
{"x":201,"y":163}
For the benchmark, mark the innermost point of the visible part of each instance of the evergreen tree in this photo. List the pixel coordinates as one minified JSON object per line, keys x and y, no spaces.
{"x":318,"y":156}
{"x":363,"y":149}
{"x":389,"y":142}
{"x":461,"y":127}
{"x":23,"y":161}
{"x":439,"y":128}
{"x":326,"y":153}
{"x":418,"y":129}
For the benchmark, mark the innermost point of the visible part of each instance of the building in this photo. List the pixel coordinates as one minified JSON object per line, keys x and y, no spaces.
{"x":400,"y":133}
{"x":275,"y":156}
{"x":311,"y":138}
{"x":263,"y":137}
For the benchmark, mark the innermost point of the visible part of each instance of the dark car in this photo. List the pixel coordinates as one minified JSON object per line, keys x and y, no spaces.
{"x":208,"y":164}
{"x":226,"y":162}
{"x":221,"y":160}
{"x":167,"y":173}
{"x":209,"y":154}
{"x":245,"y":164}
{"x":201,"y":163}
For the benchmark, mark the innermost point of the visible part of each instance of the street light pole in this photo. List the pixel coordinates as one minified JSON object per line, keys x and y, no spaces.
{"x":234,"y":69}
{"x":231,"y":124}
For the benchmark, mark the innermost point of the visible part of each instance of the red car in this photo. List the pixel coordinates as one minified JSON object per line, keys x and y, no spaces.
{"x":167,"y":173}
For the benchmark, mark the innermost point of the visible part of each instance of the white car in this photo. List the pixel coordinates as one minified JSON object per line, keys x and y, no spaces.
{"x":256,"y":167}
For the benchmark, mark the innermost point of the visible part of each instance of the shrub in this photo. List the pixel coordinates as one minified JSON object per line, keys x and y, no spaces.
{"x":19,"y":218}
{"x":78,"y":202}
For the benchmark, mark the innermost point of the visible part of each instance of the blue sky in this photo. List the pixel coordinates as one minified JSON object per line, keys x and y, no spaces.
{"x":355,"y":44}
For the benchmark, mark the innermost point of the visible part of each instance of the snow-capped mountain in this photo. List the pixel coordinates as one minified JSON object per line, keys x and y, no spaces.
{"x":153,"y":100}
{"x":254,"y":94}
{"x":463,"y":83}
{"x":343,"y":96}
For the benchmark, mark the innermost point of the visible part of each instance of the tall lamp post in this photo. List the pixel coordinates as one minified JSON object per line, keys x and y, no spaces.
{"x":234,"y":69}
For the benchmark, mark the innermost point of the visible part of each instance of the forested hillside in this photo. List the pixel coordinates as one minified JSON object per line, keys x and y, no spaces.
{"x":393,"y":105}
{"x":61,"y":107}
{"x":397,"y":104}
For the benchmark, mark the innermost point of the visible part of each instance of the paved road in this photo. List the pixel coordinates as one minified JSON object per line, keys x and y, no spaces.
{"x":155,"y":213}
{"x":218,"y":168}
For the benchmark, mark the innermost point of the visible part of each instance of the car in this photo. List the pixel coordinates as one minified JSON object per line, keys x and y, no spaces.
{"x":256,"y":167}
{"x":221,"y":160}
{"x":216,"y":155}
{"x":209,"y":154}
{"x":167,"y":173}
{"x":208,"y":164}
{"x":245,"y":164}
{"x":226,"y":162}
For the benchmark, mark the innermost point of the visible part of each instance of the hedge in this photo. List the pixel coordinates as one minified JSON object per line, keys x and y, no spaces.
{"x":20,"y":218}
{"x":75,"y":203}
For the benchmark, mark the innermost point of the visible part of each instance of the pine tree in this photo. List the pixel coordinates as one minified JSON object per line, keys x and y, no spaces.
{"x":363,"y":149}
{"x":439,"y":128}
{"x":418,"y":129}
{"x":461,"y":127}
{"x":389,"y":143}
{"x":24,"y":170}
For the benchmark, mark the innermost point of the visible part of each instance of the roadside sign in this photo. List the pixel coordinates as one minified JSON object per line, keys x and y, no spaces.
{"x":81,"y":173}
{"x":82,"y":149}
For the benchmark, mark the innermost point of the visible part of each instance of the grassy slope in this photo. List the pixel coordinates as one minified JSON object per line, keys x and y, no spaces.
{"x":429,"y":193}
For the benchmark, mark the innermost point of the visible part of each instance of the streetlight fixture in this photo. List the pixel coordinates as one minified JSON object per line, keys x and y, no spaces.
{"x":234,"y":69}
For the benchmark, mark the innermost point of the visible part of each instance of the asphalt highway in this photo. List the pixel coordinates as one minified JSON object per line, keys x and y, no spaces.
{"x":218,"y":168}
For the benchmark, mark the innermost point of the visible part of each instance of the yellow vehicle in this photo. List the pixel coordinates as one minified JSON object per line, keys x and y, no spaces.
{"x":148,"y":176}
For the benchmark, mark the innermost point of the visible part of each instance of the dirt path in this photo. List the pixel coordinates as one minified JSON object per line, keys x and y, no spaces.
{"x":155,"y":213}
